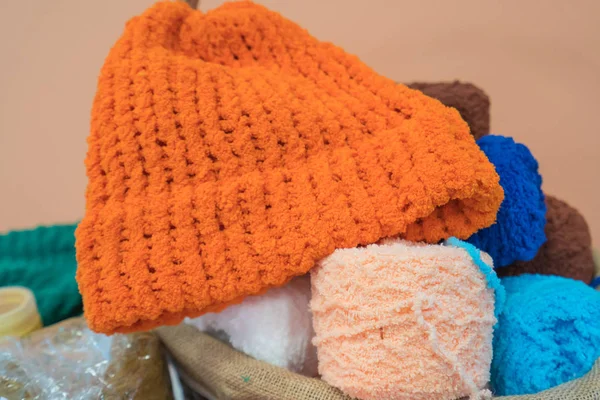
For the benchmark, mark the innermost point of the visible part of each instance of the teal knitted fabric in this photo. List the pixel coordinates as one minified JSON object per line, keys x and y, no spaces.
{"x":43,"y":260}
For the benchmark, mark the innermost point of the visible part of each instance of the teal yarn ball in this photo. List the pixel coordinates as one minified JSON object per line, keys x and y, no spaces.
{"x":548,"y":334}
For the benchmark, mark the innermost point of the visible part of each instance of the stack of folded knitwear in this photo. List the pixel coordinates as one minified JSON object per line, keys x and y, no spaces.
{"x":281,"y":195}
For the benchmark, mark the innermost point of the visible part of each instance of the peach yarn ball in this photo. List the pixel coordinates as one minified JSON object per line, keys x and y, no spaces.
{"x":403,"y":321}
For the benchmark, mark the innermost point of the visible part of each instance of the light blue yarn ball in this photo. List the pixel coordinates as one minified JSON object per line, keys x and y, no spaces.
{"x":548,"y":334}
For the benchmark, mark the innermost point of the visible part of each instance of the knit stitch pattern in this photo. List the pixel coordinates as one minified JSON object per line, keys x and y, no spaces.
{"x":231,"y":150}
{"x":518,"y":232}
{"x":471,"y":102}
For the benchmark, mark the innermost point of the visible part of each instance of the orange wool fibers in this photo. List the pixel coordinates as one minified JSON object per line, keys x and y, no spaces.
{"x":229,"y":151}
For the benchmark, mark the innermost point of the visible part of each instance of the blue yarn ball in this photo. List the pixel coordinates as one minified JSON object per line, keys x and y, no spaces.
{"x":518,"y":232}
{"x":548,"y":334}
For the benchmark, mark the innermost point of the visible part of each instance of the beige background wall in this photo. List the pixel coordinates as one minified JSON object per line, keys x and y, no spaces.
{"x":538,"y":60}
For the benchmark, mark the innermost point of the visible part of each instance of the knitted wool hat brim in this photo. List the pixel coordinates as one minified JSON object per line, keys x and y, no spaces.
{"x":471,"y":102}
{"x":229,"y":151}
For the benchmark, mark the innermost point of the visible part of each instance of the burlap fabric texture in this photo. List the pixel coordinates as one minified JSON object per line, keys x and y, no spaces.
{"x":218,"y":372}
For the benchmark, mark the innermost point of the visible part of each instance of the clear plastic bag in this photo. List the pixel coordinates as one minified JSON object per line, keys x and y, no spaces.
{"x":68,"y":361}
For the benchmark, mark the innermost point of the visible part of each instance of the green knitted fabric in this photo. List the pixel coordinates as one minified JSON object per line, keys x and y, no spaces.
{"x":43,"y":260}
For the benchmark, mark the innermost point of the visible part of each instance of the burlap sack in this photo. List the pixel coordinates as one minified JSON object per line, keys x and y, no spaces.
{"x":223,"y":373}
{"x":218,"y":372}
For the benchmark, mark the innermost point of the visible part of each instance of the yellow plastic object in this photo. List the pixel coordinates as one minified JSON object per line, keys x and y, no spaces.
{"x":18,"y":312}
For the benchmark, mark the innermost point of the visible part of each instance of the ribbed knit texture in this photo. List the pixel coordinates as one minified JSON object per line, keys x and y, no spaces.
{"x":403,"y":321}
{"x":472,"y":103}
{"x":518,"y":232}
{"x":43,"y":260}
{"x":231,"y":150}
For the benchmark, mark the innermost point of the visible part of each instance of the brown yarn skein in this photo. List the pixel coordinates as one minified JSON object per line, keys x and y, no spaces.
{"x":568,"y":249}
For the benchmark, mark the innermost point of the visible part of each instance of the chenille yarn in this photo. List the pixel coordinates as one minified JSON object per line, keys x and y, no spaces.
{"x":470,"y":101}
{"x":275,"y":327}
{"x":548,"y":334}
{"x":568,"y":249}
{"x":231,"y":150}
{"x":403,"y":320}
{"x":518,"y":232}
{"x":43,"y":260}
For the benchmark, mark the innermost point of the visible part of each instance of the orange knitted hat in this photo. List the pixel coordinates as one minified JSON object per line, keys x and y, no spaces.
{"x":229,"y":151}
